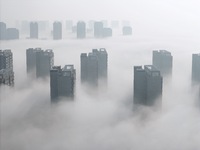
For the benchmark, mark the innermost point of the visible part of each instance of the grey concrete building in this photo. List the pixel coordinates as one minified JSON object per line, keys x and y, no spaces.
{"x":39,"y":62}
{"x":6,"y":67}
{"x":94,"y":66}
{"x":33,"y":30}
{"x":57,"y":30}
{"x":81,"y":30}
{"x":2,"y":31}
{"x":163,"y":61}
{"x":196,"y":68}
{"x":98,"y":29}
{"x":12,"y":34}
{"x":62,"y":82}
{"x":147,"y":85}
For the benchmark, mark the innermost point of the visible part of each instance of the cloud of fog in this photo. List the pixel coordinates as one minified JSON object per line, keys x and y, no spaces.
{"x":104,"y":120}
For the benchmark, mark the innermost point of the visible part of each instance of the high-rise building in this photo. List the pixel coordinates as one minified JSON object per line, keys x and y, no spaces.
{"x":98,"y":29}
{"x":107,"y":32}
{"x":34,"y":30}
{"x":6,"y":67}
{"x":57,"y":30}
{"x":62,"y":82}
{"x":39,"y":62}
{"x":94,"y":66}
{"x":196,"y":68}
{"x":2,"y":31}
{"x":163,"y":61}
{"x":147,"y":85}
{"x":12,"y":34}
{"x":127,"y":30}
{"x":81,"y":30}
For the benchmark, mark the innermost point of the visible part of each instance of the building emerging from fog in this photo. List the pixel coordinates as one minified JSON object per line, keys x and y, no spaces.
{"x":81,"y":30}
{"x":57,"y":30}
{"x":39,"y":62}
{"x":6,"y":67}
{"x":2,"y":31}
{"x":62,"y":82}
{"x":196,"y":68}
{"x":98,"y":29}
{"x":34,"y":30}
{"x":163,"y":61}
{"x":94,"y":66}
{"x":127,"y":30}
{"x":147,"y":85}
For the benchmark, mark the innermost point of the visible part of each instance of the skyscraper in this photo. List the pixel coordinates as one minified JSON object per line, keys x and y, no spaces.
{"x":12,"y":34}
{"x":196,"y":68}
{"x":2,"y":31}
{"x":81,"y":30}
{"x":62,"y":82}
{"x":39,"y":62}
{"x":163,"y":61}
{"x":94,"y":66}
{"x":57,"y":30}
{"x":127,"y":30}
{"x":98,"y":29}
{"x":34,"y":30}
{"x":147,"y":85}
{"x":6,"y":67}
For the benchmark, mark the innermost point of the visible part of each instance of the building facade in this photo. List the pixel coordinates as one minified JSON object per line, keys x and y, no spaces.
{"x":94,"y":66}
{"x":62,"y":82}
{"x":6,"y":67}
{"x":34,"y":30}
{"x":196,"y":68}
{"x":147,"y":85}
{"x":39,"y":62}
{"x":57,"y":30}
{"x":163,"y":61}
{"x":81,"y":30}
{"x":2,"y":31}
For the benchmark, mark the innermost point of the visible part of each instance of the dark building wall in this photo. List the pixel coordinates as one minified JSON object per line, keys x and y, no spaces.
{"x":2,"y":31}
{"x":98,"y":29}
{"x":81,"y":30}
{"x":196,"y":68}
{"x":12,"y":34}
{"x":84,"y":68}
{"x":163,"y":61}
{"x":147,"y":85}
{"x":34,"y":30}
{"x":57,"y":30}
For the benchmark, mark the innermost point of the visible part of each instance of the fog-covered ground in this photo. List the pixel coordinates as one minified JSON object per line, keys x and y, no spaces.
{"x":102,"y":119}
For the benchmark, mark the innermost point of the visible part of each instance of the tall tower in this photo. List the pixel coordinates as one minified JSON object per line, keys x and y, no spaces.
{"x":62,"y":82}
{"x":196,"y":68}
{"x":81,"y":30}
{"x":34,"y":30}
{"x":147,"y":85}
{"x":6,"y":67}
{"x":57,"y":30}
{"x":94,"y":66}
{"x":163,"y":61}
{"x":2,"y":31}
{"x":98,"y":29}
{"x":39,"y":62}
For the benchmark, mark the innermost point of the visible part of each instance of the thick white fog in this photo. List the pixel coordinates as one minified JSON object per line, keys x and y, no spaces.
{"x":104,"y":119}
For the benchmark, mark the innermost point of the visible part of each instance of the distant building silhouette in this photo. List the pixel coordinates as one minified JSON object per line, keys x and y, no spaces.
{"x":94,"y":66}
{"x":127,"y":30}
{"x":163,"y":61}
{"x":39,"y":62}
{"x":62,"y":82}
{"x":2,"y":31}
{"x":57,"y":30}
{"x":12,"y":34}
{"x":81,"y":30}
{"x":147,"y":85}
{"x":98,"y":29}
{"x":6,"y":68}
{"x":115,"y":24}
{"x":196,"y":68}
{"x":34,"y":30}
{"x":107,"y":32}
